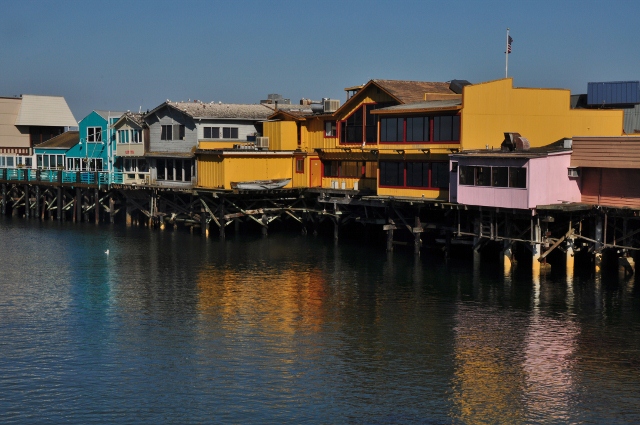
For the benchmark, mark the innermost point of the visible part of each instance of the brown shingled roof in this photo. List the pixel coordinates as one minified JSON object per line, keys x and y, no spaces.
{"x":412,"y":91}
{"x":65,"y":140}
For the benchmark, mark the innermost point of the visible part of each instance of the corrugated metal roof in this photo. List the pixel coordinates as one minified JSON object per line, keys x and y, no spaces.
{"x":51,"y":111}
{"x":65,"y":140}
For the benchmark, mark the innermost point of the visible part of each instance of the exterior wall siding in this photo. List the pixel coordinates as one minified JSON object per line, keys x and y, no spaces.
{"x":609,"y":187}
{"x":547,"y":183}
{"x":283,"y":135}
{"x":607,"y":152}
{"x":167,"y":116}
{"x":219,"y":171}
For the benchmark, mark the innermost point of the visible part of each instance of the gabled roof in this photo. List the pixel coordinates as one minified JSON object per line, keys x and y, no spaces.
{"x":412,"y":91}
{"x":403,"y":92}
{"x":219,"y":110}
{"x":133,"y":117}
{"x":65,"y":140}
{"x":49,"y":111}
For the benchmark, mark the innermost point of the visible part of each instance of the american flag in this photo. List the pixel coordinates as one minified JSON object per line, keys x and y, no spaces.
{"x":509,"y":44}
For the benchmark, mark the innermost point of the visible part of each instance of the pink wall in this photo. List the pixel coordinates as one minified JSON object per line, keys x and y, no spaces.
{"x":552,"y":184}
{"x":547,"y":183}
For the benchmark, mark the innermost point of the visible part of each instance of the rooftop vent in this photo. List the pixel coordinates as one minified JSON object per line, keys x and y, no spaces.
{"x":457,"y":85}
{"x":330,"y":105}
{"x":514,"y":142}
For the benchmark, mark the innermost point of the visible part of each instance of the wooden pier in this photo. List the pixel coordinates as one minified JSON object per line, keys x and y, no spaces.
{"x":407,"y":223}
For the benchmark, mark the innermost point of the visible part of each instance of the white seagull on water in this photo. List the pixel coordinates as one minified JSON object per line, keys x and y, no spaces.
{"x":107,"y":252}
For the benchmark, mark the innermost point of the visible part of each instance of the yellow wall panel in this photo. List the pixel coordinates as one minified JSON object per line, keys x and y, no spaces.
{"x":543,"y":116}
{"x":441,"y":194}
{"x":283,"y":135}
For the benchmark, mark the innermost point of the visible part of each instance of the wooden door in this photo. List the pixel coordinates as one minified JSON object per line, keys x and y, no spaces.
{"x":315,"y":179}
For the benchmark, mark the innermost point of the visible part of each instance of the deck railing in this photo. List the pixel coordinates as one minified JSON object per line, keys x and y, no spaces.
{"x":60,"y":176}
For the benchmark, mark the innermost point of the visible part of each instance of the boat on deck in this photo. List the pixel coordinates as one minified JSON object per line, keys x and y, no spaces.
{"x":260,"y":184}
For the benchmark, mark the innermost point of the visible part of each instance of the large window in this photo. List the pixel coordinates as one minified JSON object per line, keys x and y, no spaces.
{"x":172,"y":132}
{"x":50,"y":162}
{"x":446,"y":128}
{"x":211,"y":132}
{"x":179,"y":170}
{"x":361,"y":125}
{"x":478,"y":175}
{"x":434,"y":175}
{"x":130,"y":136}
{"x":350,"y":169}
{"x":94,"y":134}
{"x":229,"y":132}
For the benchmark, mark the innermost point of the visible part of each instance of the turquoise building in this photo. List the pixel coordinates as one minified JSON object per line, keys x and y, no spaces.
{"x":96,"y":148}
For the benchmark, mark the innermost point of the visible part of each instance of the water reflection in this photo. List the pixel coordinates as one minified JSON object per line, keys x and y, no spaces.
{"x":175,"y":328}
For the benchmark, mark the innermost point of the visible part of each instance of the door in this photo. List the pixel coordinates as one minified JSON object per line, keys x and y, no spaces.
{"x":315,"y":179}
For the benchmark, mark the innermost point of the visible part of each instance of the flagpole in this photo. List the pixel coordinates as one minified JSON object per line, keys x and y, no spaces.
{"x":506,"y":54}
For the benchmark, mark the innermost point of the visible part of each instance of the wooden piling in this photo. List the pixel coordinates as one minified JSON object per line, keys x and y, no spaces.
{"x":96,"y":205}
{"x":27,"y":204}
{"x":59,"y":204}
{"x":4,"y":199}
{"x":78,"y":205}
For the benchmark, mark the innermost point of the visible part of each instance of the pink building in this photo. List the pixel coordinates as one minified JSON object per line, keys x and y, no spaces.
{"x":521,"y":178}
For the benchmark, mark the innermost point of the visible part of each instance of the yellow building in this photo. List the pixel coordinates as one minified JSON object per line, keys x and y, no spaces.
{"x":543,"y":116}
{"x":394,"y":138}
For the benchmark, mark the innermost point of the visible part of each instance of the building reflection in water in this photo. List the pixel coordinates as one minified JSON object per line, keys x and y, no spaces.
{"x":514,"y":366}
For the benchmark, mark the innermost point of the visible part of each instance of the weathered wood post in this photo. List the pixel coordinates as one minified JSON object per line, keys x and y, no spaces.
{"x":417,"y":232}
{"x":336,"y":222}
{"x":222,"y":221}
{"x":96,"y":203}
{"x":4,"y":199}
{"x":389,"y":229}
{"x":36,"y":208}
{"x":507,"y":247}
{"x":203,"y":222}
{"x":112,"y":206}
{"x":27,"y":203}
{"x":536,"y":245}
{"x":59,"y":203}
{"x":78,"y":205}
{"x":265,"y":224}
{"x":597,"y":253}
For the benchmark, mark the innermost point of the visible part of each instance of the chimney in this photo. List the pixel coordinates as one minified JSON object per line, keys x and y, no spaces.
{"x":514,"y":142}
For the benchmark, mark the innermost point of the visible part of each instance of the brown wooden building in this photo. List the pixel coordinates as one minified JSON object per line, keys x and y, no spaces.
{"x":609,"y":169}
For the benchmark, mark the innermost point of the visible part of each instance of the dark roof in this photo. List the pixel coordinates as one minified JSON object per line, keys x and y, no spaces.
{"x":66,"y":140}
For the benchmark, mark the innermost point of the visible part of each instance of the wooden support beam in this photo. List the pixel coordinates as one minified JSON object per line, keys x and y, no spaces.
{"x":96,"y":200}
{"x":555,"y":245}
{"x":59,"y":203}
{"x":27,"y":203}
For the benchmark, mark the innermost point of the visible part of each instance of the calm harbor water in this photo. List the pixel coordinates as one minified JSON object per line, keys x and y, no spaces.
{"x":173,"y":328}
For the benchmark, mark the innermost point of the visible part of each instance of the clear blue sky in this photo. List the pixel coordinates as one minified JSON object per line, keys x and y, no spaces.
{"x":123,"y":55}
